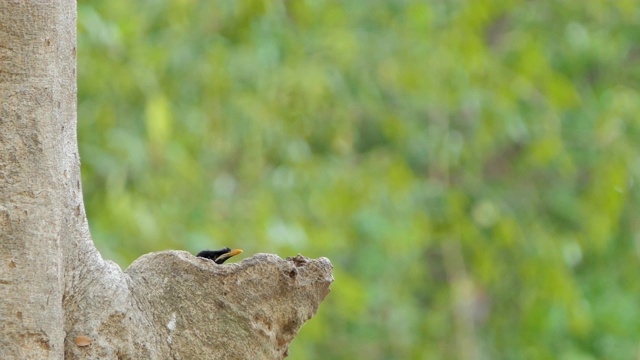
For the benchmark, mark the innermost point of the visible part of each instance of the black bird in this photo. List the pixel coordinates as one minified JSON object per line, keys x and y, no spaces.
{"x":219,"y":256}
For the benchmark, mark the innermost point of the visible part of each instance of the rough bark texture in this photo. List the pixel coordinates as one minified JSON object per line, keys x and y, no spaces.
{"x":39,"y":173}
{"x":249,"y":310}
{"x":59,"y":297}
{"x":172,"y":304}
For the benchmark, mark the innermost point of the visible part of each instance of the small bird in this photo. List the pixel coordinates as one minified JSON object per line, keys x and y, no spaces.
{"x":219,"y":256}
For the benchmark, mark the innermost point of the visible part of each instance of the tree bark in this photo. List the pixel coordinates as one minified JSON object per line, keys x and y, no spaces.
{"x":39,"y":174}
{"x":59,"y":297}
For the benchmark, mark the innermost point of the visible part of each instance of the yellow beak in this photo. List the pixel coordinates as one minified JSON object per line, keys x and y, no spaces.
{"x":231,"y":253}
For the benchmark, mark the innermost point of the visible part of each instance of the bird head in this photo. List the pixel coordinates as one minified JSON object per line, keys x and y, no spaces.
{"x":219,"y":256}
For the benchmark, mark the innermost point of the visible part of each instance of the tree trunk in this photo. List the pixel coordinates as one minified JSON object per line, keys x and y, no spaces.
{"x":59,"y":297}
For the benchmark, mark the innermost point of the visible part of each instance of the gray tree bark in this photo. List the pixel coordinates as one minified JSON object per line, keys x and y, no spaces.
{"x":60,"y":299}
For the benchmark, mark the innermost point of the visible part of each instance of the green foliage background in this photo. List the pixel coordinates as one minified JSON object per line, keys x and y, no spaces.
{"x":468,"y":166}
